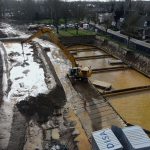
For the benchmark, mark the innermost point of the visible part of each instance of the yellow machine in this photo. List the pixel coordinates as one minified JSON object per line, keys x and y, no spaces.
{"x":76,"y":72}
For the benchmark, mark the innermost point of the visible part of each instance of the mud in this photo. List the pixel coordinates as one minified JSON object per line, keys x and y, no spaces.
{"x":1,"y":79}
{"x":43,"y":105}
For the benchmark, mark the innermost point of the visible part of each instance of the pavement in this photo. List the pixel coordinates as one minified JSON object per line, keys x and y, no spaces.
{"x":117,"y":33}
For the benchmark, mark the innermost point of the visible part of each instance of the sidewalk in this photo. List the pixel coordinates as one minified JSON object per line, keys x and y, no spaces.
{"x":117,"y":33}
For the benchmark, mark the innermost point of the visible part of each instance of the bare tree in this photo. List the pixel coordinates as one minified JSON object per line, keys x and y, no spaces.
{"x":56,"y":11}
{"x":107,"y":22}
{"x":1,"y":8}
{"x":78,"y":12}
{"x":65,"y":9}
{"x":129,"y":24}
{"x":28,"y":9}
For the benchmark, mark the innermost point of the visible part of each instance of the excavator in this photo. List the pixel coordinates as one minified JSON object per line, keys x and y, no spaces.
{"x":76,"y":72}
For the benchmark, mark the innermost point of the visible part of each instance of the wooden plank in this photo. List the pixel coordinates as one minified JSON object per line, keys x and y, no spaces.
{"x":74,"y":52}
{"x":115,"y":62}
{"x":101,"y":84}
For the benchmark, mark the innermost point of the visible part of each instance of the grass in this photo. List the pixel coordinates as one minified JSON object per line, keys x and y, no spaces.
{"x":72,"y":32}
{"x":110,"y":39}
{"x":123,"y":45}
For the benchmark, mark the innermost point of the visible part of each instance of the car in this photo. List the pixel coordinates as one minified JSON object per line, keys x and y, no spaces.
{"x":62,"y":26}
{"x":41,"y":25}
{"x":52,"y":26}
{"x":33,"y":27}
{"x":70,"y":26}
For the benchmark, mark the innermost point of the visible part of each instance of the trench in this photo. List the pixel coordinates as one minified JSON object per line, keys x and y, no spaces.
{"x":29,"y":107}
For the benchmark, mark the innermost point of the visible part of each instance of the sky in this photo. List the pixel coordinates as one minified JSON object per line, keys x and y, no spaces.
{"x":89,"y":0}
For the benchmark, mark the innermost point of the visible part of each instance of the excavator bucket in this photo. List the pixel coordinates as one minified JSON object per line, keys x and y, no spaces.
{"x":24,"y":62}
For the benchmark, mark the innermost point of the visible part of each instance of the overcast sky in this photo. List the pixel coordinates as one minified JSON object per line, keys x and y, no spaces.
{"x":91,"y":0}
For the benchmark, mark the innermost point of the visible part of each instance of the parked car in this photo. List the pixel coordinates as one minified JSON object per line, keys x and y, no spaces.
{"x":62,"y":26}
{"x":41,"y":25}
{"x":70,"y":26}
{"x":86,"y":26}
{"x":52,"y":26}
{"x":33,"y":27}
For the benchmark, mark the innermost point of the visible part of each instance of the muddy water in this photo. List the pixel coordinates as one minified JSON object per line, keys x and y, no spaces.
{"x":90,"y":53}
{"x":55,"y":133}
{"x":97,"y":63}
{"x":122,"y":78}
{"x":76,"y":47}
{"x":83,"y":143}
{"x":132,"y":107}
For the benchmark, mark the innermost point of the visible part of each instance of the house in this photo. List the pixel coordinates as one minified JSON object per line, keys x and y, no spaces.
{"x":116,"y":17}
{"x":103,"y":16}
{"x":143,"y":27}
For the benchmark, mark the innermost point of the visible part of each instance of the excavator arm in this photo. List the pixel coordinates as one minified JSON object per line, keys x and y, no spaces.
{"x":55,"y":40}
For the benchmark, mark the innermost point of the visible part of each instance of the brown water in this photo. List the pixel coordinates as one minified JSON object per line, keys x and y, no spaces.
{"x":132,"y":107}
{"x":122,"y":78}
{"x":82,"y":138}
{"x":90,"y":53}
{"x":55,"y":133}
{"x":76,"y":47}
{"x":97,"y":63}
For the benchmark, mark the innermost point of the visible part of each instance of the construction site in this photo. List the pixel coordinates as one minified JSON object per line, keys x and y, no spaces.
{"x":55,"y":93}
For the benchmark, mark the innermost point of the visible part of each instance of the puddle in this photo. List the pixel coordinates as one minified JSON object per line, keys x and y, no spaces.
{"x":83,"y":143}
{"x":55,"y":133}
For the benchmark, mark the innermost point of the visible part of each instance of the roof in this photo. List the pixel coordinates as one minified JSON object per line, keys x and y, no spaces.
{"x":118,"y":15}
{"x":137,"y":137}
{"x":105,"y":140}
{"x":142,"y":20}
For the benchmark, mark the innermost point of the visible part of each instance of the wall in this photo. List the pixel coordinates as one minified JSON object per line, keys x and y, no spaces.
{"x":135,"y":60}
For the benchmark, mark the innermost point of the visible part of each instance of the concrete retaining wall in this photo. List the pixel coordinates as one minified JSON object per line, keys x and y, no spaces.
{"x":136,"y":60}
{"x":89,"y":39}
{"x":140,"y":48}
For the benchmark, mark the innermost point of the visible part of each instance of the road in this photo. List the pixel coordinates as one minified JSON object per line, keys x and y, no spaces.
{"x":117,"y":33}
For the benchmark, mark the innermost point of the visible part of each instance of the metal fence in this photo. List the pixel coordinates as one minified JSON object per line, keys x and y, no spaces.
{"x":133,"y":45}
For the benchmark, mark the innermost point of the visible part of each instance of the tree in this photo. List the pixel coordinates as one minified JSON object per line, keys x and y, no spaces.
{"x":65,"y":12}
{"x":1,"y":8}
{"x":138,"y":7}
{"x":56,"y":11}
{"x":28,"y":9}
{"x":107,"y":22}
{"x":129,"y":24}
{"x":78,"y":12}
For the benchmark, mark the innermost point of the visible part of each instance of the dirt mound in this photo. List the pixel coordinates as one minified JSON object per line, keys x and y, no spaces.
{"x":6,"y":31}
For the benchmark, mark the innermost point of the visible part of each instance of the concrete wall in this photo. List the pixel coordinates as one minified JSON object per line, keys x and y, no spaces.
{"x":89,"y":39}
{"x":136,"y":60}
{"x":133,"y":45}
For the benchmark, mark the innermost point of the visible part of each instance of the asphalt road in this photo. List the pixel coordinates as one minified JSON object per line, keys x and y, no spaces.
{"x":117,"y":33}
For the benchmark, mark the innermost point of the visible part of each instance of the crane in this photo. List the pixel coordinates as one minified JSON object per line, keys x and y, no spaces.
{"x":76,"y":72}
